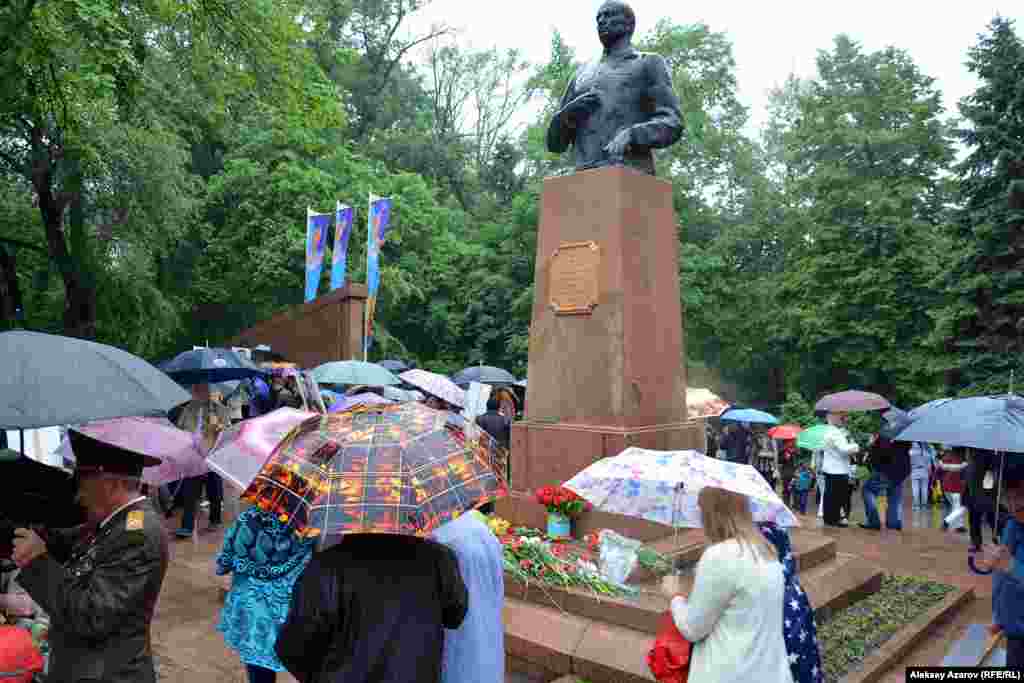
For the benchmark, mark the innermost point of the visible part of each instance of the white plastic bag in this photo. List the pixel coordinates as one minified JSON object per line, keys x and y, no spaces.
{"x":618,"y":555}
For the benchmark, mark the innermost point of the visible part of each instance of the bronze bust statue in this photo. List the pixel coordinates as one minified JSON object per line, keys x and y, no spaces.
{"x":620,"y":107}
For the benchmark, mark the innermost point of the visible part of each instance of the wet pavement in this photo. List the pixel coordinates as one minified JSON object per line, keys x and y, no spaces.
{"x":190,"y":650}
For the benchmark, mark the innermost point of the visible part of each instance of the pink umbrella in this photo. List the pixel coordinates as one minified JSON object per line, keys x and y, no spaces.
{"x":154,"y":436}
{"x":242,"y":449}
{"x":364,"y":399}
{"x":436,"y":385}
{"x":852,"y":401}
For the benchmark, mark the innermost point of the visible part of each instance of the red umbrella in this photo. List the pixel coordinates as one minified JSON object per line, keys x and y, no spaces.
{"x":785,"y":432}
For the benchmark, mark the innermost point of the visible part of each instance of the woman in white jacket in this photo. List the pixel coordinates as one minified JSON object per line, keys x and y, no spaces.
{"x":837,"y":468}
{"x":733,"y":616}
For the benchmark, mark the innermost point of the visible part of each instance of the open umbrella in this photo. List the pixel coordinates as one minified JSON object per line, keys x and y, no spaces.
{"x":210,"y":366}
{"x":37,"y":494}
{"x":993,"y":423}
{"x":813,"y":438}
{"x":354,"y":372}
{"x":749,"y":415}
{"x":484,"y":374}
{"x":435,"y":385}
{"x":48,"y":380}
{"x":925,"y":407}
{"x":785,"y":432}
{"x":851,"y":401}
{"x":242,"y":449}
{"x":643,"y":483}
{"x":397,"y":395}
{"x":395,"y":366}
{"x":396,"y":469}
{"x":364,"y":399}
{"x":155,"y":436}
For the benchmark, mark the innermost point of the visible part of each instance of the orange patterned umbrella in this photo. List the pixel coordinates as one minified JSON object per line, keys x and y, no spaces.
{"x":395,"y":469}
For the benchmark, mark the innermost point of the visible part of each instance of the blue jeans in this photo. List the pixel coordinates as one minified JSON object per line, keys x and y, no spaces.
{"x":873,"y":487}
{"x":800,"y":500}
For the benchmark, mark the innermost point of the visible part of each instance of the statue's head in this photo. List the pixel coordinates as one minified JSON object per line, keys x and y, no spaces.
{"x":615,"y":20}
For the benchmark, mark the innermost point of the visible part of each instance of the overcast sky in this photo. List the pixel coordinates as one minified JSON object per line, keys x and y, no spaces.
{"x":770,"y":39}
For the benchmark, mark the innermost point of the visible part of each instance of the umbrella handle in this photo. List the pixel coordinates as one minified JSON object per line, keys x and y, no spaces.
{"x":680,"y":487}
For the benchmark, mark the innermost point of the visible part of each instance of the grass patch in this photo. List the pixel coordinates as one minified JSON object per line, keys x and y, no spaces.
{"x":851,"y":634}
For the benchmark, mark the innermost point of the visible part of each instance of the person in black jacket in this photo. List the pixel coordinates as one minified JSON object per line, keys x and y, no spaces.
{"x":373,"y":609}
{"x":500,"y":428}
{"x":889,"y":462}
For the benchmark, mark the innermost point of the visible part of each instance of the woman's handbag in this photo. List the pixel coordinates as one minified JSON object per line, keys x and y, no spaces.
{"x":669,"y":657}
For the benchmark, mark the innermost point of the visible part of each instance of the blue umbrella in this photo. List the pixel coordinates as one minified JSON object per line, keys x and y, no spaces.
{"x":209,"y":366}
{"x":749,"y":415}
{"x":925,"y":407}
{"x":395,"y":366}
{"x":992,"y":423}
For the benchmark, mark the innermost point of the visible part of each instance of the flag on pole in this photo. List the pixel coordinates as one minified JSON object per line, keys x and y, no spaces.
{"x":376,"y":227}
{"x":339,"y":257}
{"x":317,"y":226}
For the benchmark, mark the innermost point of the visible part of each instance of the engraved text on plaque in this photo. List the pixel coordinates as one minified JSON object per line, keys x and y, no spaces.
{"x":573,"y":288}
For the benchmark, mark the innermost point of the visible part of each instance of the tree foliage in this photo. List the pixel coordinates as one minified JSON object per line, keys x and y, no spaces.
{"x":156,"y":158}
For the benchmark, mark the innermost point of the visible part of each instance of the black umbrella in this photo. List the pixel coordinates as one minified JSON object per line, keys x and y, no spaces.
{"x":395,"y":366}
{"x":48,"y":380}
{"x":484,"y":374}
{"x":210,"y":366}
{"x":34,"y":493}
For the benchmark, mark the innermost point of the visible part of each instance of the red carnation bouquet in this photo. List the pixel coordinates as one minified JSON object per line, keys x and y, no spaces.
{"x":560,"y":500}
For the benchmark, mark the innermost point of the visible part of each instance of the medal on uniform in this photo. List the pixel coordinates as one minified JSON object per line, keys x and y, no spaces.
{"x":135,"y":521}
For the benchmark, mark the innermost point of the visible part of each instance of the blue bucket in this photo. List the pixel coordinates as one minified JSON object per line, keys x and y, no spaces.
{"x":559,"y":526}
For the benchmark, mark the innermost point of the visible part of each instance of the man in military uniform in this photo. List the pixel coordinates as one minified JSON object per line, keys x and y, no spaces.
{"x":99,"y":583}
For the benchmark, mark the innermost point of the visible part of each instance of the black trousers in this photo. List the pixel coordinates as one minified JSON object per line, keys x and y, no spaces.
{"x":981,"y":512}
{"x":1014,"y":653}
{"x":837,"y":496}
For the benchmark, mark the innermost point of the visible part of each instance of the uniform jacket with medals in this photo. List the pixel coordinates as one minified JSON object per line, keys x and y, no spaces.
{"x":100,"y":591}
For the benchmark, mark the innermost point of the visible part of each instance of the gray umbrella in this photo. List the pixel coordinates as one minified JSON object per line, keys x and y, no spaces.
{"x":48,"y":380}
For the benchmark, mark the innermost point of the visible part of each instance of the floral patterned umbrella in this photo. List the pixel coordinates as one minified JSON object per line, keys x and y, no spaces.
{"x":435,"y":385}
{"x":241,"y":450}
{"x":397,"y":469}
{"x":643,"y":483}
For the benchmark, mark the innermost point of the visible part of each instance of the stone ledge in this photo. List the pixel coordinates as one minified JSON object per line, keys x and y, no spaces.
{"x":907,"y":638}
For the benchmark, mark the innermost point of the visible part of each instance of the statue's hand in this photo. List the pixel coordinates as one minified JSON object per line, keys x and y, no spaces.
{"x":616,"y":149}
{"x":582,"y":106}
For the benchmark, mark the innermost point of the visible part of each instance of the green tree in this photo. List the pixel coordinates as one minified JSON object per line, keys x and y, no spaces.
{"x":981,"y":329}
{"x":863,"y":158}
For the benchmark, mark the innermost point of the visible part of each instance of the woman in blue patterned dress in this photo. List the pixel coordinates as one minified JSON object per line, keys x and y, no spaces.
{"x":265,"y":558}
{"x":798,"y":628}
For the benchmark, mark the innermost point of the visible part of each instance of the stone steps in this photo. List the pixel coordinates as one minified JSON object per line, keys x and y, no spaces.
{"x":833,"y":581}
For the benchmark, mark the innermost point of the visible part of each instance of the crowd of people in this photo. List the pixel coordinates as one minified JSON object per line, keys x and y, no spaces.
{"x":959,"y":481}
{"x":382,"y":608}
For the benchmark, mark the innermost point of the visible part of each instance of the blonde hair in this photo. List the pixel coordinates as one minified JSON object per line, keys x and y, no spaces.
{"x":726,"y":516}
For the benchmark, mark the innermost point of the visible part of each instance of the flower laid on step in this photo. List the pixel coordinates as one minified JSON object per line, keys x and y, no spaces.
{"x":499,"y":527}
{"x":532,"y":559}
{"x":562,"y":501}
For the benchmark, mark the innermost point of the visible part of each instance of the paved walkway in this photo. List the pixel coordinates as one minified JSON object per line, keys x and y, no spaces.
{"x":190,"y":650}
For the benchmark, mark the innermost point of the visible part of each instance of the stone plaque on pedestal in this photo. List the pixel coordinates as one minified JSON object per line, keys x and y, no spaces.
{"x":606,"y":368}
